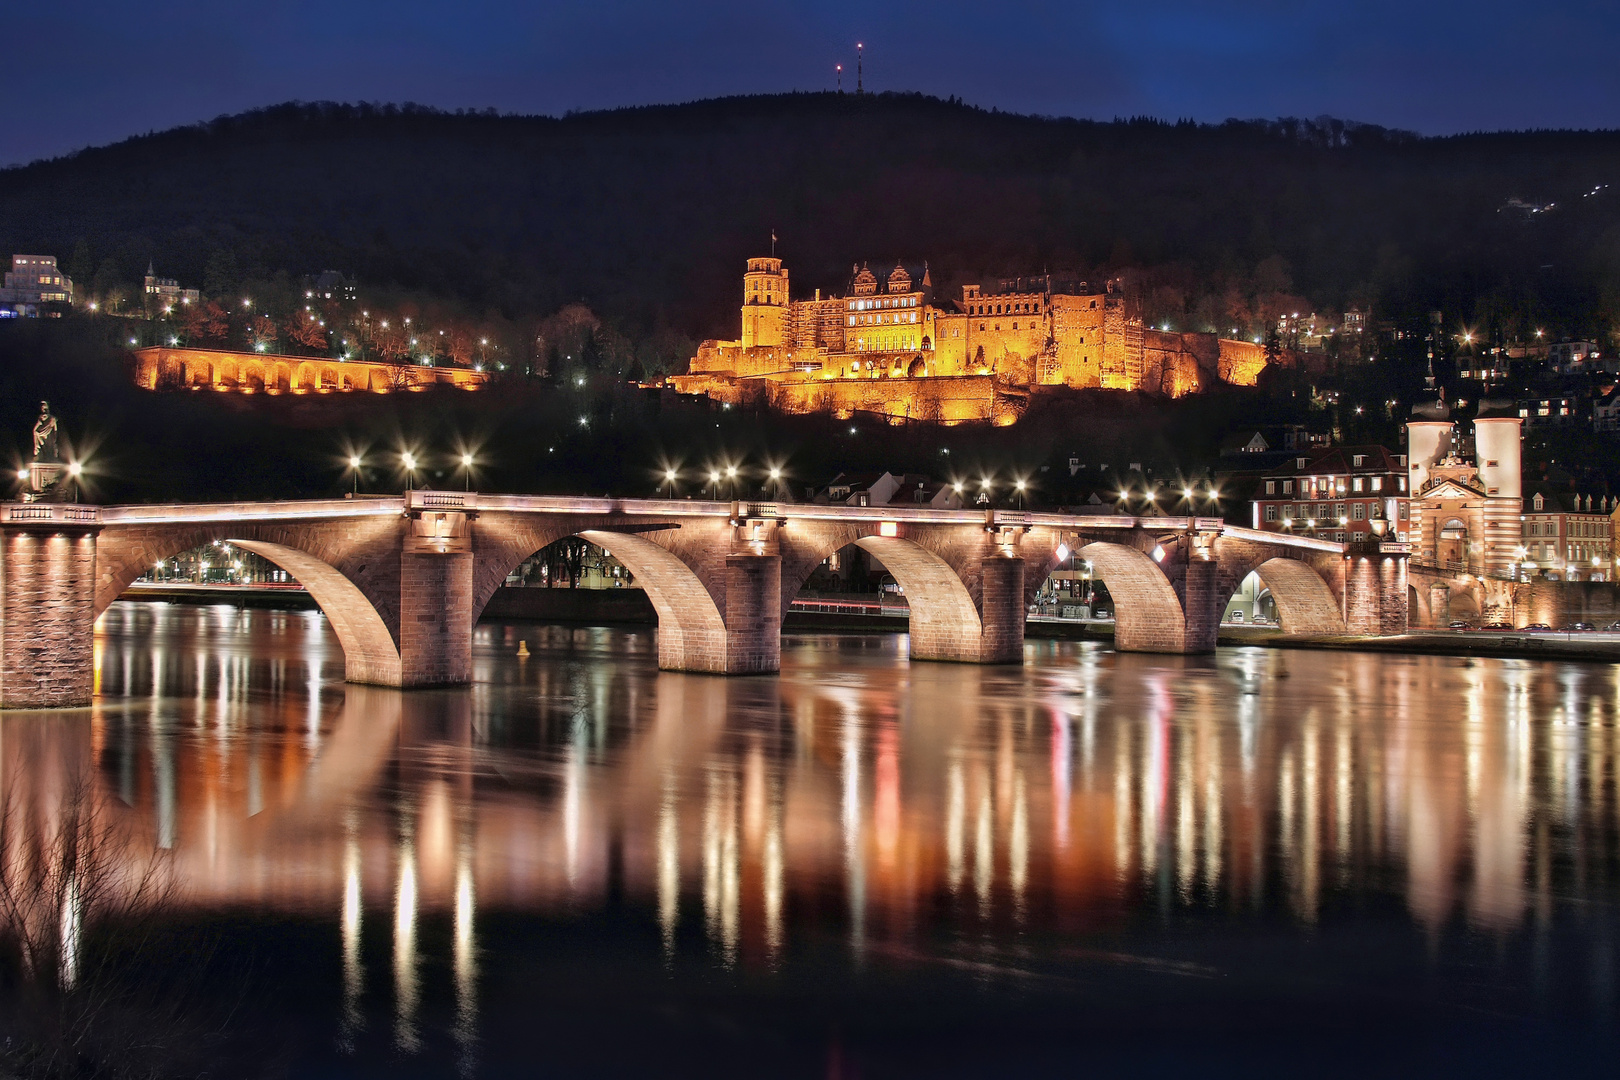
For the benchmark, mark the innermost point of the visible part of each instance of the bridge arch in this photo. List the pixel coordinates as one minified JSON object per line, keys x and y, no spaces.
{"x":945,"y":623}
{"x":1148,"y":615}
{"x":1305,"y":602}
{"x":691,"y":632}
{"x":370,"y":654}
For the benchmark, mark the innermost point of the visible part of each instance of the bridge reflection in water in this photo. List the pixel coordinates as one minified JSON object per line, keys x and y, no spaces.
{"x":944,"y":806}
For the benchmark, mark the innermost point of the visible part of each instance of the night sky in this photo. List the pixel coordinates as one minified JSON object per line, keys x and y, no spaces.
{"x":95,"y":71}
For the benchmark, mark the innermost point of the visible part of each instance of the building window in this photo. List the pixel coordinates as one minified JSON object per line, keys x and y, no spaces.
{"x":1288,"y":487}
{"x":1359,"y":511}
{"x":1271,"y":487}
{"x":1271,"y":513}
{"x":1355,"y":484}
{"x":1378,"y":483}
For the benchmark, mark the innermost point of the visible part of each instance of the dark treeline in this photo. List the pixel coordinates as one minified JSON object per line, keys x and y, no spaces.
{"x":528,"y":435}
{"x":646,"y":214}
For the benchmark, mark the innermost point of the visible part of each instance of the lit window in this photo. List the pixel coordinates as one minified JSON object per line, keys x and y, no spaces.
{"x":1358,"y":512}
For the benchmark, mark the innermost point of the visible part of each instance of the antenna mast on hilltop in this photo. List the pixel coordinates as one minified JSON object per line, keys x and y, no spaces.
{"x":859,"y":55}
{"x":839,"y":68}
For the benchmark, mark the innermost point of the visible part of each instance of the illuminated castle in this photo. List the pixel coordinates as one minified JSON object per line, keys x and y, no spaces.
{"x":888,"y":348}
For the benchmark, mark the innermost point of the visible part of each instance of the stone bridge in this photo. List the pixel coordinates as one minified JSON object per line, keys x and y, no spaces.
{"x":403,"y":579}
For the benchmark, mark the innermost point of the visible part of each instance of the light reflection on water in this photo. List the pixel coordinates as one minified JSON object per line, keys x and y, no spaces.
{"x":1089,"y":809}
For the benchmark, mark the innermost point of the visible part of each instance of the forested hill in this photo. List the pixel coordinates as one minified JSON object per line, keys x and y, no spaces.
{"x":647,"y":214}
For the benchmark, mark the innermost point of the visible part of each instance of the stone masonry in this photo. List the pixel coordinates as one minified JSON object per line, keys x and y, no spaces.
{"x":402,"y":581}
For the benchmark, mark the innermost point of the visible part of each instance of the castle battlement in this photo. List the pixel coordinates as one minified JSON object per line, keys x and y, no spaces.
{"x":1028,"y":334}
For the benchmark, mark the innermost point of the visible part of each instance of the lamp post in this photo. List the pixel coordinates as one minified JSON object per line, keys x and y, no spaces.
{"x":714,"y":484}
{"x":670,"y":477}
{"x":408,"y":459}
{"x":466,"y":472}
{"x":354,"y":470}
{"x":731,"y":481}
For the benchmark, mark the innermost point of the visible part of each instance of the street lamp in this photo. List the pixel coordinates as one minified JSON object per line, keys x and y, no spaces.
{"x":731,"y":480}
{"x":466,"y":472}
{"x":670,"y":476}
{"x":714,"y":483}
{"x":354,"y":469}
{"x":408,"y":460}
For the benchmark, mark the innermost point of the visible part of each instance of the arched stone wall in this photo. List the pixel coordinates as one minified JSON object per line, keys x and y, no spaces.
{"x":351,"y":570}
{"x":994,"y":587}
{"x":945,"y":624}
{"x":304,"y":378}
{"x":691,"y":632}
{"x":1148,"y":616}
{"x":1305,"y":603}
{"x":369,"y":652}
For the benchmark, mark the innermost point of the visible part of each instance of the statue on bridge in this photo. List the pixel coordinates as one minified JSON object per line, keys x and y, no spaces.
{"x":45,"y":451}
{"x":45,"y":471}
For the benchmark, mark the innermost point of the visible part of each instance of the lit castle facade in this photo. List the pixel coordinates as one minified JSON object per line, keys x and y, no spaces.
{"x":888,"y":348}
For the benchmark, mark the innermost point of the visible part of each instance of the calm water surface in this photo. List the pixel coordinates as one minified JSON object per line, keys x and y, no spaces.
{"x":1261,"y":861}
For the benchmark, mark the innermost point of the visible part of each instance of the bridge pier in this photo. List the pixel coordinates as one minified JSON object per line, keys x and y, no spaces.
{"x":1375,"y":601}
{"x":956,"y":632}
{"x":435,"y":601}
{"x":47,"y":606}
{"x":753,"y":618}
{"x":1201,"y":600}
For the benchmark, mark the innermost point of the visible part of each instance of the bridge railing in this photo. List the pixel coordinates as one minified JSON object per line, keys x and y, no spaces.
{"x":50,"y":513}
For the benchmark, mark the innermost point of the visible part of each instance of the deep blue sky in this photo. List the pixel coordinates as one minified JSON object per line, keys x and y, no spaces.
{"x":94,"y":71}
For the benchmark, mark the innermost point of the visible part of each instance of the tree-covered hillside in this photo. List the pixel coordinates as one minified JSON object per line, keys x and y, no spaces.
{"x":646,"y":214}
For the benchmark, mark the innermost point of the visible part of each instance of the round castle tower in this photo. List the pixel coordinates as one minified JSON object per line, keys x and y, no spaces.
{"x":765,"y":304}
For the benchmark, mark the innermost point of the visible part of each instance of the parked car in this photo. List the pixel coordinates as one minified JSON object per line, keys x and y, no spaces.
{"x":1460,"y":625}
{"x":1538,"y":626}
{"x":1578,"y":627}
{"x":1613,"y":627}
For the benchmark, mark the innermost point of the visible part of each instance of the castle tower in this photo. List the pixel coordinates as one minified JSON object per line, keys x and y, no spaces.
{"x":1497,"y":442}
{"x":1429,"y":437}
{"x":765,"y":304}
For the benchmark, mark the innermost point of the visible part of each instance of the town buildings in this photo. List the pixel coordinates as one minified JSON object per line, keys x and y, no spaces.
{"x":165,"y":293}
{"x":32,"y":281}
{"x":1346,"y":494}
{"x":1567,"y":536}
{"x":889,"y":347}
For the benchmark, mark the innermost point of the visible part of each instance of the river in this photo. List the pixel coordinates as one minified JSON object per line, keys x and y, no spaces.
{"x":1260,"y":861}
